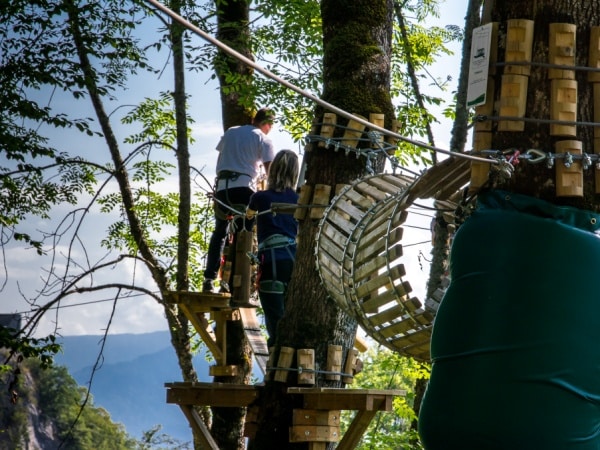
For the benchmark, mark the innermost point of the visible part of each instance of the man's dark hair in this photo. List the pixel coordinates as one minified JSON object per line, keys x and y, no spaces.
{"x":263,"y":115}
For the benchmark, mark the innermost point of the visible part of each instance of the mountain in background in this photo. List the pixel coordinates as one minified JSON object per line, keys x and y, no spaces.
{"x":130,"y":380}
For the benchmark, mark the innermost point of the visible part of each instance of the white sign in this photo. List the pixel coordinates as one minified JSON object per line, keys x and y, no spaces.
{"x":479,"y":65}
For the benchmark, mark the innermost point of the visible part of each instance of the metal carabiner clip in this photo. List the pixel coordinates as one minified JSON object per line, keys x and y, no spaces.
{"x":539,"y":155}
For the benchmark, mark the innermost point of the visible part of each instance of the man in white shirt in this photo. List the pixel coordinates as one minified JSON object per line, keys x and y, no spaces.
{"x":242,"y":150}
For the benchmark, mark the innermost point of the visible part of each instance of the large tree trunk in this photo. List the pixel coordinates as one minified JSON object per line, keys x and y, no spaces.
{"x":515,"y":364}
{"x":538,"y":180}
{"x":357,"y":43}
{"x":233,"y":30}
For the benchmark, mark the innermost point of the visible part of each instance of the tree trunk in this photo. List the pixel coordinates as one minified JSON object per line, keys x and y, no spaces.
{"x":237,"y":104}
{"x":513,"y":345}
{"x":357,"y":43}
{"x":235,"y":77}
{"x":538,"y":180}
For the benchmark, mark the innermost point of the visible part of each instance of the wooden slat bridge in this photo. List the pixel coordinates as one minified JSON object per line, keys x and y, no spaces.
{"x":359,"y":244}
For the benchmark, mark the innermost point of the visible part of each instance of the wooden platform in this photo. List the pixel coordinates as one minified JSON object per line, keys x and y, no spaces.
{"x":318,"y":405}
{"x":197,"y":305}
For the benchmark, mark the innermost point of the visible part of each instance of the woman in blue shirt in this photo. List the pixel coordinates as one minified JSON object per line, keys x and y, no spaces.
{"x":276,"y":235}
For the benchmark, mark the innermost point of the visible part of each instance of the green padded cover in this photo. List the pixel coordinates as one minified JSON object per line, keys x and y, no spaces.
{"x":516,"y":339}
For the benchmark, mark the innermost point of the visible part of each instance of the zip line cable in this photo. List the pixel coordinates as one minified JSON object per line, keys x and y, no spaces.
{"x":314,"y":98}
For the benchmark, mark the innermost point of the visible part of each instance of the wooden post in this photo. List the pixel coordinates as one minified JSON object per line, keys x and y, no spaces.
{"x":316,"y":427}
{"x":513,"y":101}
{"x":561,"y":49}
{"x":303,"y":199}
{"x":334,"y":362}
{"x":393,"y":141}
{"x":306,"y":360}
{"x":379,"y":120}
{"x":564,"y":107}
{"x":519,"y":43}
{"x":480,"y":171}
{"x":241,"y":275}
{"x":320,"y":197}
{"x":329,"y":122}
{"x":569,"y":180}
{"x":286,"y":356}
{"x":351,"y":357}
{"x":353,"y":132}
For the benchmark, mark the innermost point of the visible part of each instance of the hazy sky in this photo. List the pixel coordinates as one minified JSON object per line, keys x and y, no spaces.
{"x":139,"y":314}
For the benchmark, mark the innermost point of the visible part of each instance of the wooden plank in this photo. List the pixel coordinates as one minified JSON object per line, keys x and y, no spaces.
{"x":212,"y":394}
{"x":409,"y":340}
{"x":383,"y":184}
{"x":256,"y":338}
{"x":378,"y":247}
{"x":343,"y":223}
{"x":316,"y":417}
{"x":286,"y":356}
{"x":380,"y":281}
{"x":327,"y":128}
{"x":201,"y":430}
{"x":390,"y":231}
{"x":205,"y":331}
{"x":314,"y":433}
{"x":367,"y":268}
{"x":399,"y":180}
{"x":356,"y":430}
{"x":359,"y":199}
{"x":340,"y":398}
{"x":370,"y":191}
{"x":354,"y":131}
{"x":399,"y":328}
{"x":349,"y":208}
{"x":198,"y":301}
{"x":320,"y":197}
{"x":395,"y":294}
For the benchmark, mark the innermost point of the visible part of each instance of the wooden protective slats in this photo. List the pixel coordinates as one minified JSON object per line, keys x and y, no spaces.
{"x":380,"y":281}
{"x":366,"y":269}
{"x":333,"y":242}
{"x":359,"y":254}
{"x":358,"y":199}
{"x":412,"y":339}
{"x":382,"y":229}
{"x":341,"y":222}
{"x":349,"y":208}
{"x":396,"y":294}
{"x":398,"y":328}
{"x":378,"y":247}
{"x":370,"y":191}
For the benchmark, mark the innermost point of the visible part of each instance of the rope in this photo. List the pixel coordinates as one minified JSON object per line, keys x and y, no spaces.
{"x":304,"y":93}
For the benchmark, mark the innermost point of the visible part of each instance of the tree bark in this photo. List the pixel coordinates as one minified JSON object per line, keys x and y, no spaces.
{"x":235,"y":84}
{"x":538,"y":180}
{"x":357,"y":49}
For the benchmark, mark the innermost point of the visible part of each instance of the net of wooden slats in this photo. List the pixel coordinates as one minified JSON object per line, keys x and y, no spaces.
{"x":359,"y":254}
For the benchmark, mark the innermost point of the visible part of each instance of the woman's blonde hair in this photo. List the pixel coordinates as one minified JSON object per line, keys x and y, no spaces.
{"x":283,"y":171}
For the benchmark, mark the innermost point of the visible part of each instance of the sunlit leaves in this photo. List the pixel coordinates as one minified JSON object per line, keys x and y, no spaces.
{"x":387,"y":370}
{"x":157,"y":118}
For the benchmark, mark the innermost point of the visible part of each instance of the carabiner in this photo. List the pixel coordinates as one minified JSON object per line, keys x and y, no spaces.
{"x":540,"y":155}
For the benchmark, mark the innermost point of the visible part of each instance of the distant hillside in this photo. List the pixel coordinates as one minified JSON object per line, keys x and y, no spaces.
{"x":130,"y":381}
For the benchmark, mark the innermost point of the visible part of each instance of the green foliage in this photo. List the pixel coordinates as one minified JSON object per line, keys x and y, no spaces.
{"x":383,"y":369}
{"x":52,"y":394}
{"x":157,"y":117}
{"x":43,"y":349}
